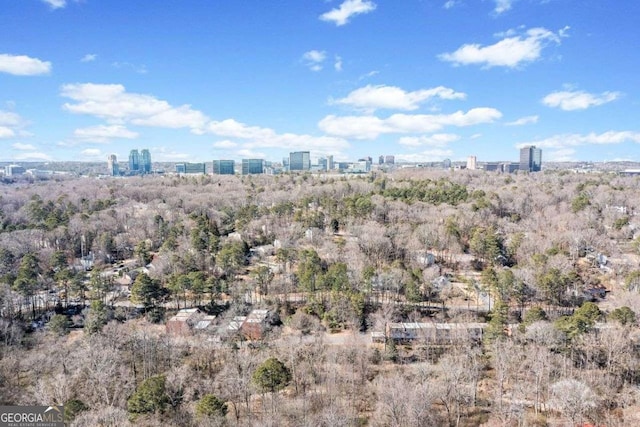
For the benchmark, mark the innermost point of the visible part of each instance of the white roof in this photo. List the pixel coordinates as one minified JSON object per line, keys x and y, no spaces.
{"x":204,"y":323}
{"x":184,"y":314}
{"x":236,"y":323}
{"x":257,"y":316}
{"x":415,"y":325}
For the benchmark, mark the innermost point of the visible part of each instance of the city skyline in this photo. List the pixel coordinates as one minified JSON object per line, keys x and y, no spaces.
{"x":419,"y":80}
{"x":302,"y":160}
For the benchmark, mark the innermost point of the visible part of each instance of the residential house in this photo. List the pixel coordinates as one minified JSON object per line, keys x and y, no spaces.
{"x":256,"y":324}
{"x":187,"y":321}
{"x":434,"y":333}
{"x":253,"y":326}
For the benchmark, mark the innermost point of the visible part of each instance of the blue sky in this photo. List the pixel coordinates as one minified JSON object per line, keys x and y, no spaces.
{"x":424,"y":80}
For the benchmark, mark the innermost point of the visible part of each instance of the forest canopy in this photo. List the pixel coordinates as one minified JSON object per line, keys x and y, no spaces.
{"x":323,"y":299}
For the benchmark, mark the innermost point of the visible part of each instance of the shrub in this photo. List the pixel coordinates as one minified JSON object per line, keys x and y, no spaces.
{"x":149,"y":397}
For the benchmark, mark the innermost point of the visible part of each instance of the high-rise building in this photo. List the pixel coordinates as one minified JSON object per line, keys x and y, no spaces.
{"x":134,"y":161}
{"x":322,"y":164}
{"x":509,"y":167}
{"x":13,"y":170}
{"x":537,"y":159}
{"x":252,"y":166}
{"x":390,"y":160}
{"x":191,"y":168}
{"x":446,"y":164}
{"x":530,"y":159}
{"x":112,"y":165}
{"x":472,"y":162}
{"x":299,"y":161}
{"x":145,"y":163}
{"x":330,"y":164}
{"x":224,"y":167}
{"x":381,"y":160}
{"x":493,"y":167}
{"x":525,"y":159}
{"x":342,"y":166}
{"x":361,"y":166}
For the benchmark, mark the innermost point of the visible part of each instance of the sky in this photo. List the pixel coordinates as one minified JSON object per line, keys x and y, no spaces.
{"x":424,"y":80}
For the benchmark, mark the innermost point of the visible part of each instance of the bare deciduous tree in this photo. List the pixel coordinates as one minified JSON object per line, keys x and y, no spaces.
{"x":573,"y":399}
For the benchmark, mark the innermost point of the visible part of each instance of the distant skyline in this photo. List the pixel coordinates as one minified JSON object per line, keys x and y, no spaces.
{"x":422,"y":80}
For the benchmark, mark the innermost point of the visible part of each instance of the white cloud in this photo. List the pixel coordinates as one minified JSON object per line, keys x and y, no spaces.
{"x":360,"y":127}
{"x":294,"y":141}
{"x":341,"y":15}
{"x":119,"y":107}
{"x":23,"y":147}
{"x":175,"y":118}
{"x":337,"y":65}
{"x":502,"y":6}
{"x":225,"y":144}
{"x":315,"y":55}
{"x":234,"y":129}
{"x":89,"y":57}
{"x":163,"y":154}
{"x":11,"y":125}
{"x":113,"y":103}
{"x":6,"y":132}
{"x":563,"y":155}
{"x":434,"y":155}
{"x":368,"y":75}
{"x":578,"y":100}
{"x":32,"y":155}
{"x":314,"y":59}
{"x":140,"y":69}
{"x":92,"y":152}
{"x":56,"y":4}
{"x":436,"y":140}
{"x":527,"y":120}
{"x":8,"y":118}
{"x":257,"y":137}
{"x":103,"y":133}
{"x":250,"y":154}
{"x":370,"y":98}
{"x":370,"y":127}
{"x":508,"y":52}
{"x":450,"y":4}
{"x":573,"y":140}
{"x":22,"y":65}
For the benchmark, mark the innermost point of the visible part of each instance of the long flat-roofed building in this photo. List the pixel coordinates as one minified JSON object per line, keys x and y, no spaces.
{"x":252,"y":166}
{"x":191,"y":168}
{"x":435,"y":333}
{"x":299,"y":161}
{"x":224,"y":167}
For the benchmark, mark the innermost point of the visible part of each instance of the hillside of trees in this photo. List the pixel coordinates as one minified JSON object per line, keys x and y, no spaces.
{"x":91,"y":271}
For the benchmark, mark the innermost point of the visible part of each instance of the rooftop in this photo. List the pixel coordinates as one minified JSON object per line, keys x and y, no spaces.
{"x":450,"y":326}
{"x":184,"y":315}
{"x":257,"y":316}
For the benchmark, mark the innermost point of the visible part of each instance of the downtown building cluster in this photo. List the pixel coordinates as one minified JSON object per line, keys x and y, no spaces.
{"x":297,"y":161}
{"x":300,"y":161}
{"x":530,"y":161}
{"x":139,"y":163}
